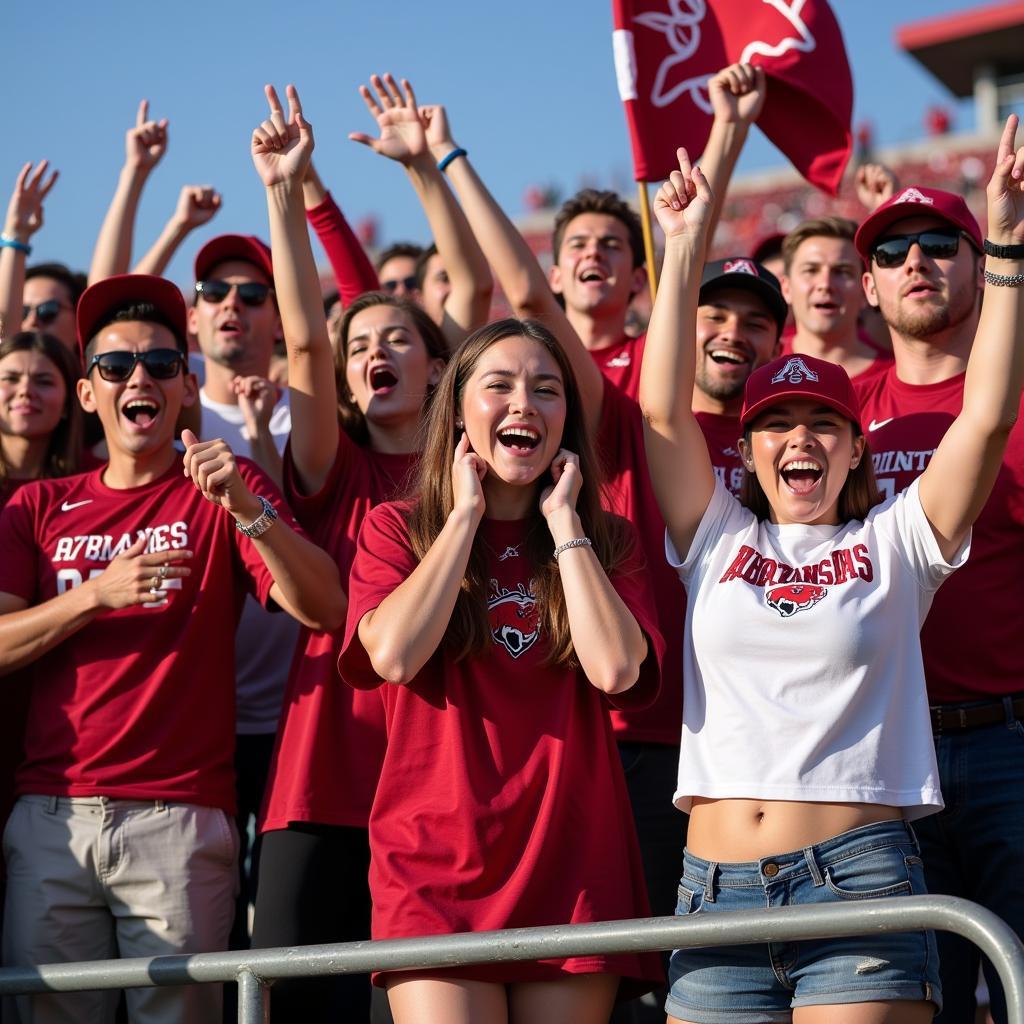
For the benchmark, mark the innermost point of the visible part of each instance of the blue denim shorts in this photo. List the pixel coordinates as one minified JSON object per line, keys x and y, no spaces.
{"x":728,"y":984}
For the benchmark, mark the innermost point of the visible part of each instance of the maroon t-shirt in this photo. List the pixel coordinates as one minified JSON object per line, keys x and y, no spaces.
{"x":620,"y":364}
{"x":139,"y":703}
{"x":329,"y":732}
{"x":501,"y":801}
{"x":972,"y":637}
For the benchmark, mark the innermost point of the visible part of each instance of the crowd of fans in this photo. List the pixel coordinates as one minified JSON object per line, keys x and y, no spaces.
{"x":330,"y":616}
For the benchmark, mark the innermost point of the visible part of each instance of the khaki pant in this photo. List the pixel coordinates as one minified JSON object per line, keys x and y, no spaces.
{"x":89,"y":878}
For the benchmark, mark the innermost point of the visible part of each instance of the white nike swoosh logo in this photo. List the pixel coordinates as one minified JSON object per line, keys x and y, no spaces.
{"x":881,"y":423}
{"x":67,"y":506}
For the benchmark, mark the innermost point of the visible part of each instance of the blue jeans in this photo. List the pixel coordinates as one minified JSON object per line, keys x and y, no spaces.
{"x":974,"y":847}
{"x":764,"y":982}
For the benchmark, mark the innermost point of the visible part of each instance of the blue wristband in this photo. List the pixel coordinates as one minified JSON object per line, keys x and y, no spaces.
{"x":6,"y":242}
{"x":442,"y":164}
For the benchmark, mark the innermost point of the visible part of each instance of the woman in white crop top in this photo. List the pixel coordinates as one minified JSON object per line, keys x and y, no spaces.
{"x":806,"y":739}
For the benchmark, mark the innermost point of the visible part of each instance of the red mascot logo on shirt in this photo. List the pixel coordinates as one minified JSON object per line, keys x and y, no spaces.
{"x":515,"y":623}
{"x":791,"y":598}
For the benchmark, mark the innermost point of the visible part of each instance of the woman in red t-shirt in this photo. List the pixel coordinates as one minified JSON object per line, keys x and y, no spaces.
{"x":354,"y":438}
{"x":506,"y":611}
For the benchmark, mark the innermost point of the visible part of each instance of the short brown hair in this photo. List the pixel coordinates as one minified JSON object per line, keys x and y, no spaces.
{"x":592,"y":200}
{"x":818,"y":227}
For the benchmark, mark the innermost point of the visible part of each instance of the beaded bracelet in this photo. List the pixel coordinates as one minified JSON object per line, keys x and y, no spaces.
{"x":1004,"y":280}
{"x":576,"y":542}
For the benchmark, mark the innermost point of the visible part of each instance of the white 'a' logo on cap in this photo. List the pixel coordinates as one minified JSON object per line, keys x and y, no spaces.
{"x":739,"y":267}
{"x":794,"y":372}
{"x":911,"y":195}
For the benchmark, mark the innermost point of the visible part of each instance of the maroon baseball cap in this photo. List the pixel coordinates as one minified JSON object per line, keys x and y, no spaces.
{"x":916,"y":202}
{"x":749,"y":275}
{"x":104,"y":297}
{"x":799,"y":377}
{"x":247,"y":248}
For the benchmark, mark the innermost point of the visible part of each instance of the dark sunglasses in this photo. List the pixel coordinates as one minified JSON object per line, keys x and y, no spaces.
{"x":46,"y":312}
{"x":160,"y":363}
{"x":410,"y":284}
{"x":936,"y":244}
{"x":252,"y":293}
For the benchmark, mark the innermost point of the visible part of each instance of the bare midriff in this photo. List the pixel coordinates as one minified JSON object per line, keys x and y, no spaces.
{"x":730,"y":831}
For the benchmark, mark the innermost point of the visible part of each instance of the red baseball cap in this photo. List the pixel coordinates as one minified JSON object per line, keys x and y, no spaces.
{"x":748,"y":275}
{"x":799,"y":377}
{"x":916,"y":202}
{"x":247,"y":248}
{"x":102,"y":298}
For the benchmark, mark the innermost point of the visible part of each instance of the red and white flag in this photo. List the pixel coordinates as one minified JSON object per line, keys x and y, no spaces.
{"x":666,"y":50}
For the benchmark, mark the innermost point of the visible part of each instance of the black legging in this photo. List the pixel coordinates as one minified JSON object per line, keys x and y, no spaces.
{"x":313,"y":888}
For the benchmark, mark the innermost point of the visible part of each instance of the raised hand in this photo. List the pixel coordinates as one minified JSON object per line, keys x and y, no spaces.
{"x":468,"y":472}
{"x":282,"y":147}
{"x":683,"y":203}
{"x":25,"y":210}
{"x":212,"y":468}
{"x":737,"y":93}
{"x":561,"y":495}
{"x":402,"y":134}
{"x":145,"y":143}
{"x":257,"y":397}
{"x":1005,"y":190}
{"x":875,"y":184}
{"x":197,"y":205}
{"x":439,"y":134}
{"x":134,"y":577}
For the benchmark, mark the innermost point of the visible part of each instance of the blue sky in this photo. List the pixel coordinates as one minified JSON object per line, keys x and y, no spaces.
{"x":530,"y":89}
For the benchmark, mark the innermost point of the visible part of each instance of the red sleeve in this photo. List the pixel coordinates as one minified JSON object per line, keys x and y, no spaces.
{"x":311,"y":509}
{"x":384,"y":559}
{"x":353,"y":270}
{"x":19,"y":567}
{"x":632,"y":582}
{"x":254,"y":568}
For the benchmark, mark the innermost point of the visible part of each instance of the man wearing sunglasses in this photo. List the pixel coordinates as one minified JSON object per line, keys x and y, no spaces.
{"x":48,"y":301}
{"x":120,"y":591}
{"x":923,"y":252}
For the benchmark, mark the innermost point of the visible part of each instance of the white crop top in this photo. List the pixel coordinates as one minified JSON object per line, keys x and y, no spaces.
{"x":802,"y":675}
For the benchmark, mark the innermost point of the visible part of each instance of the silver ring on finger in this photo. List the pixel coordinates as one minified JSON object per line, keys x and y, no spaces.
{"x":154,"y":584}
{"x":162,"y":572}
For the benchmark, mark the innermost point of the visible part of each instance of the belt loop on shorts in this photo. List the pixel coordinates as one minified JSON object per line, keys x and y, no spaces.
{"x":51,"y":805}
{"x":812,"y":866}
{"x":1011,"y":717}
{"x":709,"y":882}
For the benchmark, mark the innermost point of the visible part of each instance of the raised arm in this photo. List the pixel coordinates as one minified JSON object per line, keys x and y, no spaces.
{"x":353,"y":271}
{"x":519,"y":274}
{"x":403,"y":137}
{"x":281,"y":150}
{"x":737,"y":96}
{"x":145,"y":145}
{"x":197,"y":205}
{"x":963,"y":470}
{"x":677,"y":454}
{"x":24,"y":218}
{"x":306,"y":580}
{"x":875,"y":184}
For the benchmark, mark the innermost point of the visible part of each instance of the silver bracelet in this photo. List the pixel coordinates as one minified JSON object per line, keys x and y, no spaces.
{"x":1004,"y":280}
{"x":576,"y":542}
{"x":261,"y":523}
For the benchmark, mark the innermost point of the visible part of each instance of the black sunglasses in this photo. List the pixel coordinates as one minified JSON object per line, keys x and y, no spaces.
{"x":252,"y":293}
{"x":160,"y":363}
{"x":46,"y":312}
{"x":936,"y":244}
{"x":410,"y":283}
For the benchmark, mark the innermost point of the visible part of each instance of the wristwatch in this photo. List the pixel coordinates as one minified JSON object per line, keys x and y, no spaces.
{"x":261,"y":523}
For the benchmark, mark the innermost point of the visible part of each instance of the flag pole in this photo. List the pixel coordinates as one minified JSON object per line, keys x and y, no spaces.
{"x":645,"y":220}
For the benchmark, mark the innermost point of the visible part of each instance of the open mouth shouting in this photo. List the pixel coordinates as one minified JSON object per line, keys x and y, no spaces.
{"x":383,"y":380}
{"x":728,"y":356}
{"x":519,"y":440}
{"x":801,"y":476}
{"x":142,"y":412}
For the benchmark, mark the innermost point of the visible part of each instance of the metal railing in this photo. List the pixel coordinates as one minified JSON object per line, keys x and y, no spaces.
{"x":253,"y":969}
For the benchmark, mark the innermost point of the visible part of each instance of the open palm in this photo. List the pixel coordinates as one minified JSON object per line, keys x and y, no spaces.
{"x":402,"y":136}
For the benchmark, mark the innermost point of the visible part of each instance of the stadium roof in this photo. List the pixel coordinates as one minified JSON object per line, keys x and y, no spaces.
{"x":952,"y":46}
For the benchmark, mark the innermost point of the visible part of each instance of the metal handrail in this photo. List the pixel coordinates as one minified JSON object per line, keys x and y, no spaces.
{"x":253,"y":969}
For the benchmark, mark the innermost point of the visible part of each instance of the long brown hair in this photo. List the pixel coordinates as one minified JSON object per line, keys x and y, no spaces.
{"x":859,"y":494}
{"x":352,"y":420}
{"x":65,"y":445}
{"x":468,"y":631}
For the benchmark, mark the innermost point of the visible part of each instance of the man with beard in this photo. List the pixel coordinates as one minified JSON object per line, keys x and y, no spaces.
{"x":923,"y":252}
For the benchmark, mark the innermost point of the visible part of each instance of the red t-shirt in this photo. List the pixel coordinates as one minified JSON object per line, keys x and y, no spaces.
{"x":620,"y":364}
{"x":972,"y":637}
{"x":721,"y":434}
{"x":139,"y":703}
{"x":501,"y":802}
{"x":331,"y":739}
